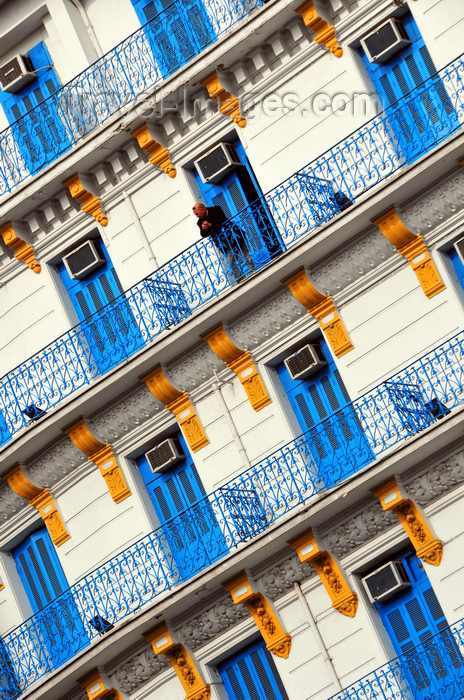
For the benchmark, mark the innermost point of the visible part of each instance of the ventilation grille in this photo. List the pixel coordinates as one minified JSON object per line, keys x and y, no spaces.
{"x":389,"y":38}
{"x":164,"y":455}
{"x":215,"y":164}
{"x":16,"y":73}
{"x":386,"y":581}
{"x":305,"y":361}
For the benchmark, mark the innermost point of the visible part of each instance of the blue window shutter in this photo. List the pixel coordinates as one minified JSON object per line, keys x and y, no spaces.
{"x":251,"y":674}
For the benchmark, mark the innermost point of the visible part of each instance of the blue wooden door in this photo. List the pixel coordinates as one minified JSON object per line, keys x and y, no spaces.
{"x":416,"y":625}
{"x":108,"y":324}
{"x":58,"y":625}
{"x":189,"y":529}
{"x":251,"y":674}
{"x":425,"y":115}
{"x":177,"y":32}
{"x":321,"y":404}
{"x":38,"y":123}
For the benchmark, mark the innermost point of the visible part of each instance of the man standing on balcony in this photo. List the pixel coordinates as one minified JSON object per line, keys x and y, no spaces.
{"x":232,"y":245}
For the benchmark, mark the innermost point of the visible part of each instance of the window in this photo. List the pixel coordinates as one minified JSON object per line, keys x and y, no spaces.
{"x":417,"y":627}
{"x":427,"y":116}
{"x":251,"y":239}
{"x":321,"y":405}
{"x":38,"y":123}
{"x":107,"y":319}
{"x":58,"y":630}
{"x":251,"y":674}
{"x":177,"y":32}
{"x":188,"y":522}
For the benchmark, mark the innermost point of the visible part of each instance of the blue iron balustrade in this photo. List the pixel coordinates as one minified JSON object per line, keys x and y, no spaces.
{"x":235,"y":513}
{"x":119,"y":77}
{"x":432,"y":670}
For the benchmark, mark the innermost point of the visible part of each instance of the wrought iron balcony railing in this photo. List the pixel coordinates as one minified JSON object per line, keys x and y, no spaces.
{"x":162,"y":46}
{"x":409,"y":402}
{"x":432,"y":670}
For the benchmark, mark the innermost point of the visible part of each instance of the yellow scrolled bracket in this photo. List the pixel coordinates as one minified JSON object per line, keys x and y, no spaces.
{"x":158,"y":154}
{"x":229,"y":104}
{"x":325,"y":33}
{"x":22,"y":251}
{"x":90,"y":202}
{"x":277,"y":640}
{"x":427,"y":547}
{"x":181,"y":661}
{"x":40,"y":499}
{"x":343,"y":598}
{"x":103,"y":456}
{"x":413,"y":248}
{"x":97,"y":688}
{"x":323,"y":309}
{"x":179,"y":404}
{"x":1,"y":586}
{"x":240,"y":362}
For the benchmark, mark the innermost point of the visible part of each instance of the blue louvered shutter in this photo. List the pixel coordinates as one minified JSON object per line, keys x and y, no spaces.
{"x":251,"y":674}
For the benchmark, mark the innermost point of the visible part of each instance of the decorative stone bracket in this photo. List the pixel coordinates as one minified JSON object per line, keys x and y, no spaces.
{"x":158,"y":154}
{"x":103,"y":456}
{"x":40,"y":499}
{"x":97,"y":688}
{"x":79,"y":187}
{"x":228,"y":103}
{"x":181,"y":661}
{"x":277,"y":641}
{"x":413,"y":248}
{"x":1,"y":586}
{"x":323,"y":309}
{"x":240,"y":362}
{"x":325,"y":33}
{"x":22,"y":250}
{"x":343,"y":598}
{"x":179,"y":404}
{"x":427,"y":547}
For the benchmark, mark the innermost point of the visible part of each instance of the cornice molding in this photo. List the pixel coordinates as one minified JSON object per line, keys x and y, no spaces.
{"x":437,"y":480}
{"x":133,"y":672}
{"x":211,"y":623}
{"x":191,"y":371}
{"x":279,"y":579}
{"x":361,"y":527}
{"x":10,"y":502}
{"x":436,"y":206}
{"x":121,"y":418}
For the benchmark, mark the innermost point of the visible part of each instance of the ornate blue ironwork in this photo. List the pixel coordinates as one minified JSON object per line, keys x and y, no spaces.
{"x":432,"y":670}
{"x":116,"y":79}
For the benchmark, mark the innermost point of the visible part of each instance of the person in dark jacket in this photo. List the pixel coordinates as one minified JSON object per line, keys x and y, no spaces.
{"x":232,"y":245}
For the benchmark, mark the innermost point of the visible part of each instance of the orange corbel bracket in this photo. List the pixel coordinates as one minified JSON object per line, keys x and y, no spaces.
{"x":413,"y":248}
{"x":325,"y":33}
{"x":181,"y":661}
{"x":158,"y":154}
{"x":179,"y":404}
{"x":103,"y":456}
{"x":240,"y":362}
{"x":97,"y":688}
{"x":242,"y":591}
{"x":22,"y":251}
{"x":79,"y":190}
{"x":229,"y":104}
{"x":40,"y":499}
{"x":427,"y":547}
{"x":343,"y":598}
{"x":323,"y":309}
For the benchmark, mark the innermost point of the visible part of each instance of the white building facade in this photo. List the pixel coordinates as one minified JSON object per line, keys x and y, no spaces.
{"x":232,"y":465}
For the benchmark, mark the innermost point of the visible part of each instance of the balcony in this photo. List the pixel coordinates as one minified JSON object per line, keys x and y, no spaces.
{"x":272,"y":224}
{"x":119,"y":77}
{"x":432,"y":670}
{"x":408,"y":403}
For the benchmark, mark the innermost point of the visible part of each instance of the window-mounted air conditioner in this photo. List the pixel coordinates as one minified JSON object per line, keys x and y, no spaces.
{"x":386,"y":581}
{"x":305,"y":361}
{"x":16,"y":73}
{"x":217,"y":162}
{"x":82,"y":260}
{"x":164,"y":455}
{"x":387,"y":39}
{"x":459,"y":247}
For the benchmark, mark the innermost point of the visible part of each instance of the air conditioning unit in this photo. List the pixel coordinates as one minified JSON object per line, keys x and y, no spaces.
{"x":82,"y":260}
{"x":16,"y":73}
{"x":164,"y":455}
{"x":459,"y":247}
{"x":386,"y":581}
{"x":305,"y":361}
{"x":217,"y":162}
{"x":387,"y":39}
